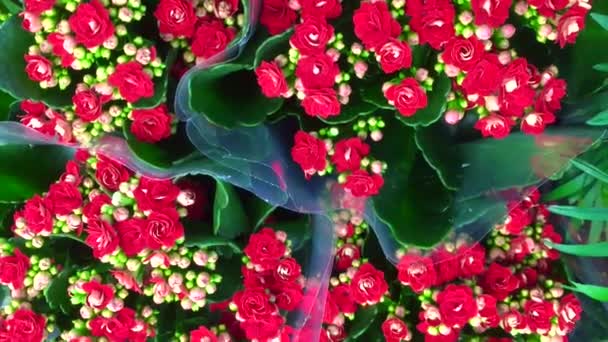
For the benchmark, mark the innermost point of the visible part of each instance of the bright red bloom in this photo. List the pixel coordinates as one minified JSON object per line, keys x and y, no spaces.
{"x":374,"y":24}
{"x":264,"y":249}
{"x":153,"y":194}
{"x":408,"y":96}
{"x":98,"y":295}
{"x":14,"y":268}
{"x":91,"y":24}
{"x":271,"y":79}
{"x":368,"y":285}
{"x":416,"y":272}
{"x":348,"y":154}
{"x":457,"y":305}
{"x":395,"y":330}
{"x":491,"y":12}
{"x":309,"y":152}
{"x":202,"y":334}
{"x":362,"y":184}
{"x":102,"y":237}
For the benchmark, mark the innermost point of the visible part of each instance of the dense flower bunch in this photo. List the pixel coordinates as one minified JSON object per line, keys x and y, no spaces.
{"x":510,"y":282}
{"x":326,"y":153}
{"x":203,"y":29}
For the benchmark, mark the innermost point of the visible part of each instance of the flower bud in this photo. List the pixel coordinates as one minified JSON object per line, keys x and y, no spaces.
{"x":452,"y":117}
{"x":483,"y":32}
{"x":41,"y":281}
{"x":202,"y":280}
{"x":130,"y":49}
{"x":120,"y":214}
{"x":186,"y":304}
{"x":360,"y":69}
{"x":125,"y":14}
{"x":200,"y":258}
{"x":116,"y":305}
{"x":86,"y":312}
{"x":175,"y":280}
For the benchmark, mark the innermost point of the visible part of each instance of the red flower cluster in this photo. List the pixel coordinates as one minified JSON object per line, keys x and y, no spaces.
{"x":23,"y":325}
{"x":272,"y":280}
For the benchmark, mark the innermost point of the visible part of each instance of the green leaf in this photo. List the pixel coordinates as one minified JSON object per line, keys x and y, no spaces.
{"x":593,"y":214}
{"x":230,"y":271}
{"x":601,"y":67}
{"x":432,"y":142}
{"x":566,"y":189}
{"x":590,"y":169}
{"x":5,"y":296}
{"x":355,"y":108}
{"x":257,"y":210}
{"x":437,"y":101}
{"x":298,"y":231}
{"x":165,"y":328}
{"x":10,"y":6}
{"x":229,"y":219}
{"x":14,"y":79}
{"x":371,"y":92}
{"x":6,"y":102}
{"x":600,"y":119}
{"x":28,"y":170}
{"x":56,"y":294}
{"x":364,"y":318}
{"x":163,"y":153}
{"x":599,"y":249}
{"x":599,"y":293}
{"x":213,"y":92}
{"x":601,"y":19}
{"x":207,"y":241}
{"x":272,"y":47}
{"x":160,"y":85}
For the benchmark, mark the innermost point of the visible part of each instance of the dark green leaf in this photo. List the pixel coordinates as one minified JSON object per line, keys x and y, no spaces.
{"x":5,"y":296}
{"x":230,"y":271}
{"x":437,"y":101}
{"x":207,"y":241}
{"x":258,"y":211}
{"x":600,"y":119}
{"x":165,"y":328}
{"x":10,"y":6}
{"x":372,"y":92}
{"x":591,"y":169}
{"x":212,"y":94}
{"x":160,"y":85}
{"x":6,"y":102}
{"x":364,"y":317}
{"x":432,"y":142}
{"x":485,"y":208}
{"x":56,"y":294}
{"x":14,"y":80}
{"x":29,"y":170}
{"x":599,"y":293}
{"x":601,"y":19}
{"x":593,"y":214}
{"x":601,"y":67}
{"x":298,"y":231}
{"x":356,"y":107}
{"x":599,"y":249}
{"x":229,"y":219}
{"x":272,"y":47}
{"x":567,"y":189}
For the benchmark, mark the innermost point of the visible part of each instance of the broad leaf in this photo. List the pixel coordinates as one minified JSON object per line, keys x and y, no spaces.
{"x":6,"y":102}
{"x":433,"y":142}
{"x":356,"y":107}
{"x":599,"y":293}
{"x":14,"y":80}
{"x":601,"y":19}
{"x":29,"y":170}
{"x":599,"y":249}
{"x":437,"y":101}
{"x":592,"y":214}
{"x":207,"y":241}
{"x":229,"y":219}
{"x":364,"y":318}
{"x":230,"y":271}
{"x":228,"y":95}
{"x":601,"y":67}
{"x":600,"y":119}
{"x":272,"y":47}
{"x":56,"y":294}
{"x":257,"y":210}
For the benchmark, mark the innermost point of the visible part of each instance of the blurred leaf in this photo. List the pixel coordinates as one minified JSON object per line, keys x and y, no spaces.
{"x":355,"y":108}
{"x":600,"y":119}
{"x":162,"y":154}
{"x":599,"y":249}
{"x":601,"y":19}
{"x":5,"y":296}
{"x":590,"y":169}
{"x":257,"y":210}
{"x":6,"y":102}
{"x":433,"y":142}
{"x":272,"y":47}
{"x":213,"y":93}
{"x":14,"y":79}
{"x":28,"y":170}
{"x":229,"y":219}
{"x":437,"y":101}
{"x":160,"y":85}
{"x":207,"y":241}
{"x":592,"y":214}
{"x":601,"y":67}
{"x":298,"y":231}
{"x":165,"y":328}
{"x":364,"y":317}
{"x":230,"y":271}
{"x":598,"y":293}
{"x":567,"y":189}
{"x":56,"y":293}
{"x":10,"y":6}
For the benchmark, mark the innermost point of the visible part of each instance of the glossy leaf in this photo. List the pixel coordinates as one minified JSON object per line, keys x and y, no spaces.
{"x":6,"y":102}
{"x":213,"y":93}
{"x":601,"y":67}
{"x":364,"y":318}
{"x":257,"y":211}
{"x":601,"y":19}
{"x":591,"y":170}
{"x":593,"y":214}
{"x":599,"y":249}
{"x":437,"y":100}
{"x":272,"y":47}
{"x":14,"y":80}
{"x":230,"y":271}
{"x":599,"y":293}
{"x":206,"y":241}
{"x":229,"y":219}
{"x":298,"y":231}
{"x":433,"y":142}
{"x":600,"y":119}
{"x":355,"y":108}
{"x":56,"y":293}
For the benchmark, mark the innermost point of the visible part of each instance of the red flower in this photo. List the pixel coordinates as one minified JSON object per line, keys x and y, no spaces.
{"x":569,"y":312}
{"x":417,"y":272}
{"x":317,"y":71}
{"x":570,"y":24}
{"x":132,"y":82}
{"x":102,"y":237}
{"x":202,"y":334}
{"x":266,"y":328}
{"x":457,"y":305}
{"x":38,"y":68}
{"x":93,"y":208}
{"x":535,"y":123}
{"x":36,"y":7}
{"x":64,"y":198}
{"x":271,"y":79}
{"x":321,"y":102}
{"x":491,"y":12}
{"x":374,"y":24}
{"x":276,"y":16}
{"x":549,"y":99}
{"x":152,"y":194}
{"x":520,"y":248}
{"x":57,"y":41}
{"x":87,"y":105}
{"x":447,"y":266}
{"x":360,"y":183}
{"x":38,"y":215}
{"x":132,"y":237}
{"x":518,"y":218}
{"x":499,"y":281}
{"x":408,"y":96}
{"x":309,"y":152}
{"x":176,"y":18}
{"x":548,"y":8}
{"x":162,"y":228}
{"x":395,"y":330}
{"x":471,"y":260}
{"x":494,"y":125}
{"x":539,"y":315}
{"x":348,"y":154}
{"x":434,"y":23}
{"x":113,"y":328}
{"x":331,"y":310}
{"x":515,"y":92}
{"x":24,"y":326}
{"x":329,"y":9}
{"x":264,"y":249}
{"x":394,"y":55}
{"x":463,"y":53}
{"x":311,"y":36}
{"x":98,"y":295}
{"x":225,"y":8}
{"x":127,"y":280}
{"x":368,"y":285}
{"x":151,"y":125}
{"x":211,"y":37}
{"x":486,"y":307}
{"x":253,"y":303}
{"x":289,"y":296}
{"x":341,"y":295}
{"x":288,"y":270}
{"x":513,"y":320}
{"x":346,"y":255}
{"x":13,"y":269}
{"x":91,"y":24}
{"x":483,"y":79}
{"x":110,"y":173}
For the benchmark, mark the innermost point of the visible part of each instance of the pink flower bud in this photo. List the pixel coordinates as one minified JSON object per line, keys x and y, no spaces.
{"x":37,"y":242}
{"x":422,"y":74}
{"x":537,"y":295}
{"x":400,"y":311}
{"x":356,"y":219}
{"x":175,"y":280}
{"x":202,"y":279}
{"x":116,"y":305}
{"x":508,"y":31}
{"x":504,"y":57}
{"x":344,"y":90}
{"x":521,"y":7}
{"x":465,"y":18}
{"x":144,"y":56}
{"x":197,"y":294}
{"x":224,"y":337}
{"x":46,"y":47}
{"x":200,"y":258}
{"x":334,"y":54}
{"x":491,"y":103}
{"x":103,"y":88}
{"x":545,"y":30}
{"x":294,"y":5}
{"x":452,"y":117}
{"x":111,"y":43}
{"x":125,"y":14}
{"x":483,"y":32}
{"x":183,"y":263}
{"x":451,"y":70}
{"x":360,"y":69}
{"x":41,"y":281}
{"x":186,"y":304}
{"x":159,"y":259}
{"x":120,"y":214}
{"x":281,"y":235}
{"x":31,"y":22}
{"x":86,"y":312}
{"x":186,"y":197}
{"x":377,"y":167}
{"x":356,"y":48}
{"x":147,"y":311}
{"x":74,"y":221}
